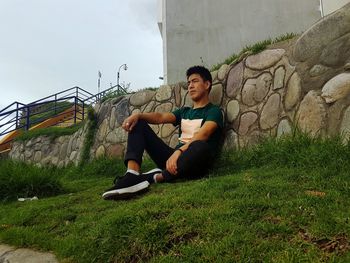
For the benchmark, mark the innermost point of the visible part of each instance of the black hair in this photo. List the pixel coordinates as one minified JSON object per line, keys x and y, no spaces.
{"x":201,"y":71}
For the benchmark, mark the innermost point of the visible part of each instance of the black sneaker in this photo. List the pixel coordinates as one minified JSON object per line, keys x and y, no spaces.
{"x":150,"y":174}
{"x":127,"y":186}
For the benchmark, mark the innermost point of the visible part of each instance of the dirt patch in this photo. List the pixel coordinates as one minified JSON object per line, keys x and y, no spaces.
{"x":337,"y":244}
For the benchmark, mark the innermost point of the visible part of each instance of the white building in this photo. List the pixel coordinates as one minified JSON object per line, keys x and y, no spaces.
{"x":206,"y":32}
{"x":329,"y":6}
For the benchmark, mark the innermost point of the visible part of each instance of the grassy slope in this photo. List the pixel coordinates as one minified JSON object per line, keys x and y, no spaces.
{"x":254,"y":207}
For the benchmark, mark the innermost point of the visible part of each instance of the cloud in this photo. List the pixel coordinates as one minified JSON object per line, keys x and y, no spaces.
{"x":49,"y":46}
{"x":145,"y":14}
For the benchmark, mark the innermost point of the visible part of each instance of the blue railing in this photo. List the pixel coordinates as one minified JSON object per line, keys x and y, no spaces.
{"x":20,"y":116}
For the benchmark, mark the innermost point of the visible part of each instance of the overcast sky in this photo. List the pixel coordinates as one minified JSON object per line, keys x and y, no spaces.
{"x":47,"y":46}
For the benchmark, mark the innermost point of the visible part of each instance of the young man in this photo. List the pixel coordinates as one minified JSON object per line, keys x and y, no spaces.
{"x":200,"y":130}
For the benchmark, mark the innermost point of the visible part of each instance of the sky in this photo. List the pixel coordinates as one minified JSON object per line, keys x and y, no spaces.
{"x":47,"y":46}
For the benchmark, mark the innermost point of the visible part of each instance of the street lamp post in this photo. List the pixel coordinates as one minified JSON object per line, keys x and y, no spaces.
{"x":99,"y":81}
{"x":125,"y":67}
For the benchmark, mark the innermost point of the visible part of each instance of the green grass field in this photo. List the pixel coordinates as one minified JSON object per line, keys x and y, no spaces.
{"x":285,"y":200}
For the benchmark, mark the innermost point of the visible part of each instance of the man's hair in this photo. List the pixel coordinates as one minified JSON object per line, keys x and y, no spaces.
{"x":201,"y":71}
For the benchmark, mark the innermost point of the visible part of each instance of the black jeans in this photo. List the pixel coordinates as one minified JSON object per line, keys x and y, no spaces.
{"x":194,"y":162}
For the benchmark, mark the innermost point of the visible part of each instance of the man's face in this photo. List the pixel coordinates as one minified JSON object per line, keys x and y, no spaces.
{"x":197,"y":87}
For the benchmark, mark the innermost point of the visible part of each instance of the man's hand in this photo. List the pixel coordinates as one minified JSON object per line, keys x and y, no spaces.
{"x":130,"y":122}
{"x":171,"y":163}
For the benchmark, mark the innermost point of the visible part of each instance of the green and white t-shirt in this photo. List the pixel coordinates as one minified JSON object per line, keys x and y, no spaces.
{"x":191,"y":120}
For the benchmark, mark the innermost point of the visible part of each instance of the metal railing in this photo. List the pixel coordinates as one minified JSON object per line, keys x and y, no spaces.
{"x":70,"y":104}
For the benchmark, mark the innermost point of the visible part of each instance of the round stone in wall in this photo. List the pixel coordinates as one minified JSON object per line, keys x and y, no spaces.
{"x":97,"y":107}
{"x":177,"y":93}
{"x":142,"y":97}
{"x":63,"y":150}
{"x":134,"y":111}
{"x":115,"y":151}
{"x":264,"y":59}
{"x":270,"y":112}
{"x":345,"y":125}
{"x":318,"y":70}
{"x":122,"y":111}
{"x":246,"y":121}
{"x":116,"y":100}
{"x":54,"y":160}
{"x":149,"y":107}
{"x":37,"y":156}
{"x":174,"y":140}
{"x":337,"y":88}
{"x":103,"y":113}
{"x":284,"y":128}
{"x":155,"y":128}
{"x":214,"y":75}
{"x":101,"y":133}
{"x":278,"y":81}
{"x":112,"y":137}
{"x":222,"y":72}
{"x":120,"y":135}
{"x":73,"y":156}
{"x":311,"y":115}
{"x":188,"y":101}
{"x":215,"y":95}
{"x":314,"y":40}
{"x":29,"y":143}
{"x":255,"y":90}
{"x":28,"y":153}
{"x":235,"y":80}
{"x":248,"y":92}
{"x":231,"y":140}
{"x":100,"y":151}
{"x":163,"y":93}
{"x":164,"y":107}
{"x":293,"y":92}
{"x":347,"y":67}
{"x":232,"y":110}
{"x":336,"y":52}
{"x":167,"y":129}
{"x":263,"y":84}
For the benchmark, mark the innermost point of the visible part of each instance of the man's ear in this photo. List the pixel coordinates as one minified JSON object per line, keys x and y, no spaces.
{"x":207,"y":84}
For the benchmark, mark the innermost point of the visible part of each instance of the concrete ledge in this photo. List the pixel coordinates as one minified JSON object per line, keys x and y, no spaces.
{"x":10,"y":254}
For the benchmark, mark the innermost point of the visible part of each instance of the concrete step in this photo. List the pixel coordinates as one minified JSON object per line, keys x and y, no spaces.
{"x":24,"y":255}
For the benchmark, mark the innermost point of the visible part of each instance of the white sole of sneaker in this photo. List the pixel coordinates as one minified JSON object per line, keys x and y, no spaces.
{"x":155,"y":170}
{"x":118,"y":193}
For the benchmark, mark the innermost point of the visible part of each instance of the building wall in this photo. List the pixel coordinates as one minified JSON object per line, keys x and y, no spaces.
{"x":207,"y":32}
{"x":330,"y":6}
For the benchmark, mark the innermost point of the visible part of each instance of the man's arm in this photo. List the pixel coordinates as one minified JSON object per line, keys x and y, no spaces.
{"x":203,"y":134}
{"x":207,"y":129}
{"x":151,"y":117}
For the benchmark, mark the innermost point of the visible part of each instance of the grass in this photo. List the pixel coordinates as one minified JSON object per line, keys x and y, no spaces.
{"x":254,"y":49}
{"x":285,"y":200}
{"x":52,"y":132}
{"x":23,"y":180}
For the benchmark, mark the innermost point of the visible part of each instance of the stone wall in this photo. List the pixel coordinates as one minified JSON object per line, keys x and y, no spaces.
{"x":303,"y":82}
{"x":44,"y":151}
